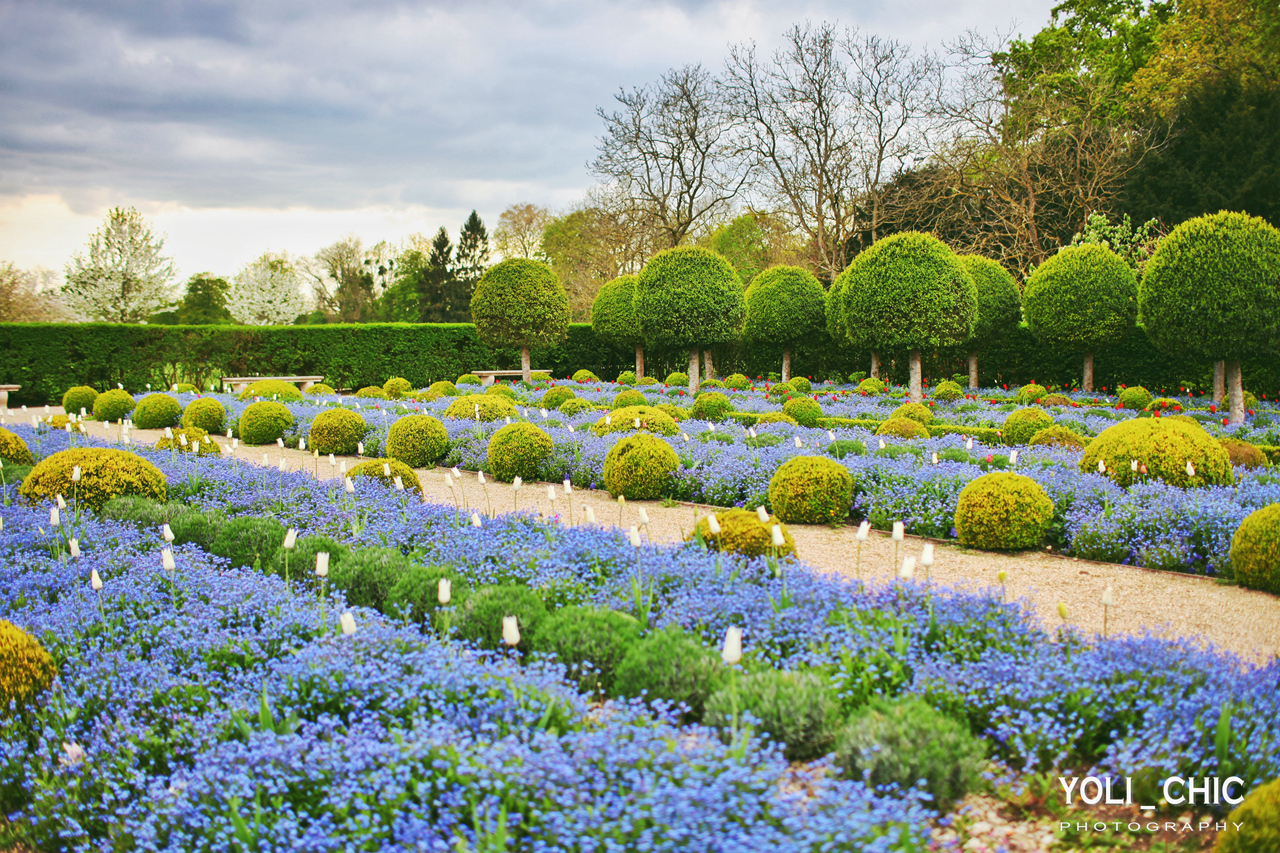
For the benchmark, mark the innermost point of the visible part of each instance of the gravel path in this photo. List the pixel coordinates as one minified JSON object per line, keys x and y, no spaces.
{"x":1165,"y":603}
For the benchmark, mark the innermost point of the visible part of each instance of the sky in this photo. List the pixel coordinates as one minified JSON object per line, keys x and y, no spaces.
{"x":239,"y":127}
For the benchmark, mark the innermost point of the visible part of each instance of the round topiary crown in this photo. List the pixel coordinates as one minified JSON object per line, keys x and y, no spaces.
{"x":689,"y":296}
{"x":521,"y":303}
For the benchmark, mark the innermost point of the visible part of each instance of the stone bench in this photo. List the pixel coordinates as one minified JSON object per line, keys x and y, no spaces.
{"x":4,"y":394}
{"x":487,"y":377}
{"x":239,"y":383}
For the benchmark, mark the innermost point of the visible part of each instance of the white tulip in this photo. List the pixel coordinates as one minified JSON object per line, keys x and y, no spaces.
{"x":166,"y":532}
{"x":60,"y":501}
{"x":590,"y":514}
{"x":637,"y":423}
{"x":908,"y":570}
{"x":516,"y":482}
{"x":644,"y":516}
{"x":713,"y":525}
{"x":551,"y":493}
{"x":926,"y":554}
{"x":1191,"y":469}
{"x":359,"y":448}
{"x":448,"y":479}
{"x":284,"y":465}
{"x":480,"y":477}
{"x":568,"y":487}
{"x":332,"y":461}
{"x":899,"y":531}
{"x":348,"y":623}
{"x":444,"y":591}
{"x":1102,"y":466}
{"x":882,"y":444}
{"x":1108,"y":597}
{"x":322,"y":564}
{"x":1013,"y":456}
{"x":732,"y":651}
{"x":1133,"y":465}
{"x":510,"y":630}
{"x":349,"y":487}
{"x":762,"y":514}
{"x":831,"y":435}
{"x":280,"y":443}
{"x":935,"y":459}
{"x":74,"y":545}
{"x":302,"y":444}
{"x":635,"y":536}
{"x":386,"y":469}
{"x":166,"y":560}
{"x":799,"y":443}
{"x":776,"y":532}
{"x":475,"y":519}
{"x":75,"y":474}
{"x":168,"y":433}
{"x":711,"y":427}
{"x":95,"y":581}
{"x":608,"y":420}
{"x":54,"y":519}
{"x":290,"y":539}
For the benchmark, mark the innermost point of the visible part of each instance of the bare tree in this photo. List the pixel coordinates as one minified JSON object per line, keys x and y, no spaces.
{"x":519,"y":232}
{"x":30,"y":296}
{"x":667,"y":151}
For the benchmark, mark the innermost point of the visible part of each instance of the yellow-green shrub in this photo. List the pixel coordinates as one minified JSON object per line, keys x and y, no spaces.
{"x":626,"y":398}
{"x":269,"y":388}
{"x":26,"y":669}
{"x":105,"y":473}
{"x":1021,"y":425}
{"x":396,"y":387}
{"x":737,"y":381}
{"x":492,"y":408}
{"x":805,"y":410}
{"x":444,"y":388}
{"x":206,"y":413}
{"x":1243,"y":454}
{"x":320,"y":389}
{"x":77,"y":398}
{"x":417,"y":440}
{"x":1164,"y":445}
{"x":518,"y":450}
{"x":801,"y":384}
{"x":777,"y":418}
{"x":811,"y":490}
{"x":917,"y":412}
{"x":1258,"y":819}
{"x":640,"y":467}
{"x":903,"y":428}
{"x":1003,"y":511}
{"x":337,"y":430}
{"x":501,"y":390}
{"x":113,"y":405}
{"x":195,"y":442}
{"x":710,"y":406}
{"x":948,"y":390}
{"x":555,"y":396}
{"x":13,"y":449}
{"x":677,"y":414}
{"x":574,"y":406}
{"x":651,"y":418}
{"x":376,"y":469}
{"x":263,"y":422}
{"x":677,"y":378}
{"x":870,"y":386}
{"x":371,"y":392}
{"x":1255,"y":550}
{"x":1136,"y":398}
{"x":157,"y":411}
{"x":1058,"y":436}
{"x":468,"y":379}
{"x":1056,"y":400}
{"x":1032,"y":393}
{"x":742,"y":532}
{"x":585,"y":376}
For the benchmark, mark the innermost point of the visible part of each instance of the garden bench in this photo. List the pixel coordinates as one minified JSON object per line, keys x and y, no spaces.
{"x":487,"y":377}
{"x":239,"y":383}
{"x":4,"y":394}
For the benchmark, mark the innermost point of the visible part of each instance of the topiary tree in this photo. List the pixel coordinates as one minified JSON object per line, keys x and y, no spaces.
{"x":785,"y":305}
{"x":1082,"y":298}
{"x":689,"y":297}
{"x":1212,"y":289}
{"x":999,"y":307}
{"x":613,"y":318}
{"x":908,"y":292}
{"x":521,"y":303}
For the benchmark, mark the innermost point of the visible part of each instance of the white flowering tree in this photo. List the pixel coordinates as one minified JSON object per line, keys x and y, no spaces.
{"x":267,"y":292}
{"x":124,"y":278}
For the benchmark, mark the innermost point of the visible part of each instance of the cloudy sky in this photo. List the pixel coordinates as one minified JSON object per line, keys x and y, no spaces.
{"x":242,"y":126}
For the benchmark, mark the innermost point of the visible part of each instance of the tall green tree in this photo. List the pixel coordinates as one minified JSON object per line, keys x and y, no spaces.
{"x":470,"y":263}
{"x":521,"y":303}
{"x":613,"y":317}
{"x":425,"y":288}
{"x":205,"y":302}
{"x":785,"y":305}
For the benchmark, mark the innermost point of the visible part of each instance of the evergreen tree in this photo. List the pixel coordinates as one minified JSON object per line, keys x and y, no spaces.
{"x":470,"y":263}
{"x":205,"y":302}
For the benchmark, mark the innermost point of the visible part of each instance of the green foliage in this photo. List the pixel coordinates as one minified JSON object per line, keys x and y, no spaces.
{"x":1003,"y":511}
{"x":1210,"y":289}
{"x":742,"y":532}
{"x":249,"y":541}
{"x":1243,"y":454}
{"x":795,"y":709}
{"x":902,"y":428}
{"x":267,"y":389}
{"x":626,"y":377}
{"x":367,"y":575}
{"x":205,"y":413}
{"x":626,"y":398}
{"x":677,"y":414}
{"x":419,"y":441}
{"x":1082,"y":298}
{"x":688,"y":297}
{"x":1255,"y":550}
{"x":801,"y":384}
{"x":784,"y":304}
{"x":948,"y":390}
{"x":805,"y":410}
{"x":320,"y":390}
{"x":301,"y":561}
{"x":585,"y":375}
{"x":396,"y":387}
{"x":373,"y":392}
{"x":710,"y":406}
{"x":468,"y":379}
{"x":918,"y":412}
{"x":590,"y":642}
{"x":191,"y":525}
{"x":574,"y":406}
{"x":811,"y":490}
{"x":906,"y":742}
{"x":555,"y":396}
{"x":337,"y":431}
{"x":999,"y":301}
{"x":480,"y":617}
{"x":518,"y":450}
{"x":651,"y":419}
{"x":520,"y":303}
{"x":842,"y":447}
{"x":443,"y":388}
{"x":908,"y":292}
{"x":113,"y":405}
{"x":676,"y":379}
{"x":673,"y":666}
{"x":491,"y":408}
{"x":501,"y":390}
{"x":613,"y":316}
{"x":105,"y":473}
{"x":1057,"y":436}
{"x":710,"y":383}
{"x":1164,"y":446}
{"x":77,"y":399}
{"x":640,"y":467}
{"x":646,"y":380}
{"x":26,"y":669}
{"x":189,"y":440}
{"x":1136,"y":398}
{"x":870,"y":386}
{"x":385,"y":471}
{"x":263,"y":422}
{"x":737,"y":382}
{"x":1033,"y":393}
{"x":415,"y":595}
{"x":1021,"y":425}
{"x":1258,"y":819}
{"x":13,"y":449}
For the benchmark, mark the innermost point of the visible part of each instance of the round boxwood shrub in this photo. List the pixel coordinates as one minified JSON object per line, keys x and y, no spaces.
{"x":651,"y":418}
{"x":555,"y":396}
{"x":367,"y":575}
{"x":1029,"y":394}
{"x":948,"y":390}
{"x":676,"y":378}
{"x":1243,"y":454}
{"x":640,"y":467}
{"x":906,"y":742}
{"x":780,"y":391}
{"x":201,"y":528}
{"x":443,"y":388}
{"x":1164,"y":405}
{"x":205,"y":413}
{"x":385,"y":471}
{"x":870,"y":386}
{"x":418,"y":441}
{"x":1136,"y":398}
{"x":263,"y":422}
{"x":13,"y":449}
{"x":711,"y":383}
{"x":157,"y":411}
{"x":26,"y":669}
{"x":518,"y":450}
{"x":670,"y":665}
{"x":501,"y":390}
{"x":249,"y":542}
{"x":590,"y":642}
{"x":468,"y":379}
{"x":795,"y":709}
{"x":197,"y":441}
{"x":1021,"y":425}
{"x":113,"y":405}
{"x":737,"y":382}
{"x":646,"y":380}
{"x":319,"y":390}
{"x":492,"y":408}
{"x":710,"y":406}
{"x":415,"y":595}
{"x":480,"y":617}
{"x":575,"y":406}
{"x":627,"y":398}
{"x":677,"y":414}
{"x":626,"y":377}
{"x":371,"y":392}
{"x":1056,"y":400}
{"x":1258,"y":819}
{"x":1003,"y":511}
{"x":584,"y":375}
{"x":805,"y":410}
{"x":811,"y":490}
{"x":396,"y":387}
{"x":105,"y":473}
{"x":917,"y":412}
{"x":742,"y":532}
{"x":776,"y":418}
{"x":1255,"y":550}
{"x":801,"y":384}
{"x":903,"y":428}
{"x":337,"y":430}
{"x":1164,"y":446}
{"x":269,"y":389}
{"x":1058,"y":436}
{"x":77,"y":398}
{"x":299,"y":565}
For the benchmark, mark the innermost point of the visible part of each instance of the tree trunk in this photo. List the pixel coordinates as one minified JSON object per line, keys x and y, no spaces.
{"x":786,"y":363}
{"x":973,"y":371}
{"x":875,"y":365}
{"x":1219,"y":381}
{"x":639,"y":361}
{"x":524,"y":363}
{"x":694,"y":355}
{"x":917,"y":393}
{"x":1087,"y":384}
{"x":710,"y":369}
{"x":1235,"y":391}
